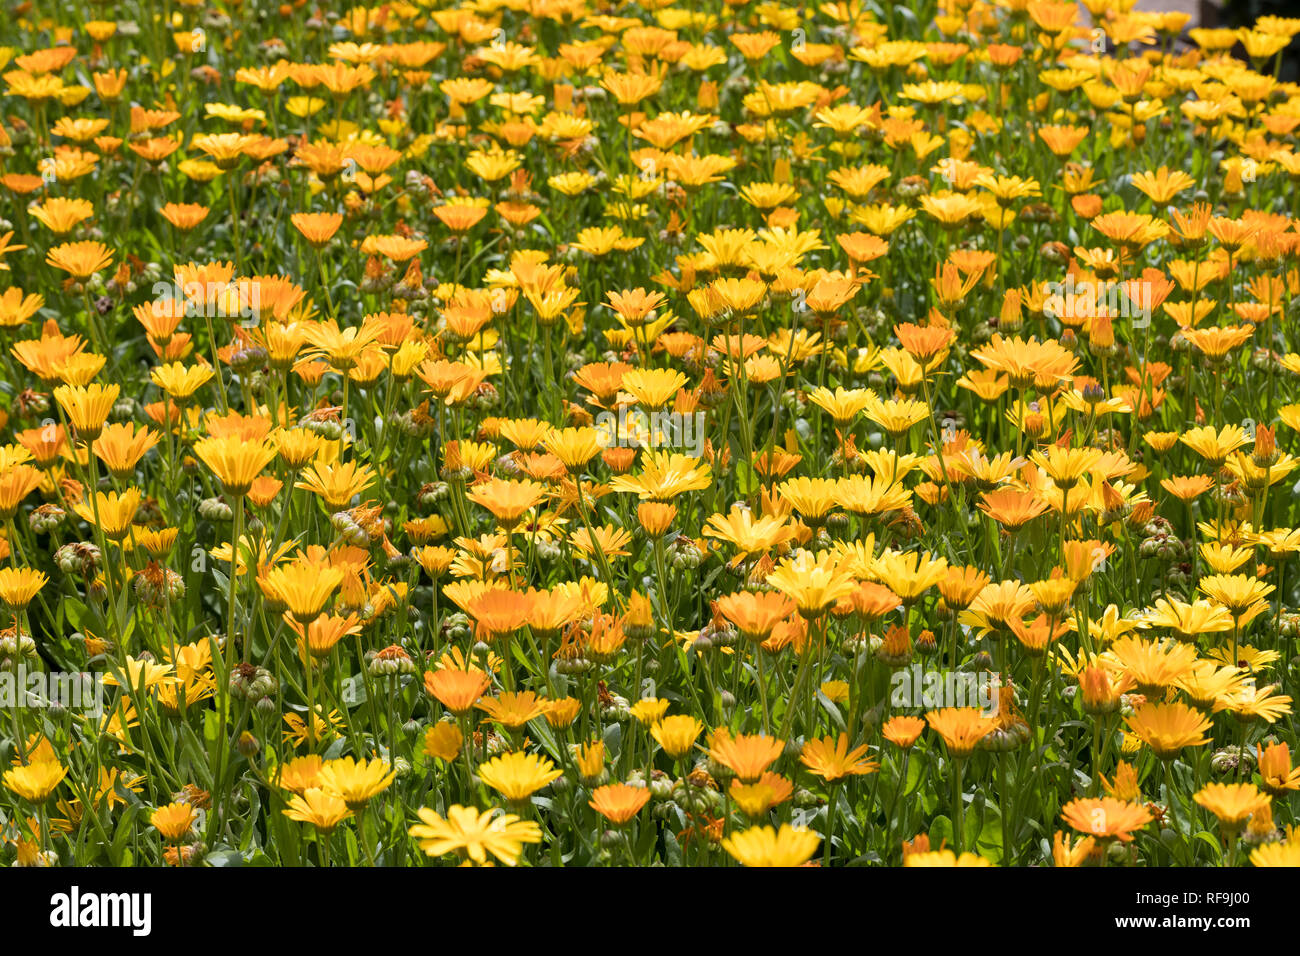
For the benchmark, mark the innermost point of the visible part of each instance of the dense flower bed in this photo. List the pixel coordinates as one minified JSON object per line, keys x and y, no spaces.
{"x":559,"y":433}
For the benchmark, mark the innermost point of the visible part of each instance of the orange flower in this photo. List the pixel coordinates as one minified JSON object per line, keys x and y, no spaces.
{"x":457,"y":690}
{"x":81,"y":260}
{"x":618,"y":802}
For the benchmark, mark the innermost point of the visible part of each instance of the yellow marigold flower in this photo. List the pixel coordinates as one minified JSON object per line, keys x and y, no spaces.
{"x":766,"y":846}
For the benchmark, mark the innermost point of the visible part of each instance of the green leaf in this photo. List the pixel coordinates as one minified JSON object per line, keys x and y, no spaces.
{"x":989,"y":841}
{"x":941,"y":832}
{"x":829,"y":706}
{"x":746,"y":480}
{"x":672,"y":849}
{"x":117,"y":852}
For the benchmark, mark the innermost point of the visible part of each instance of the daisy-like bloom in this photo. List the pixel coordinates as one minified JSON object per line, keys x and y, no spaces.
{"x":1100,"y":690}
{"x":319,"y":636}
{"x":514,"y":709}
{"x":235,"y":461}
{"x":1277,"y":854}
{"x":1206,"y":683}
{"x":1232,"y":803}
{"x":1217,"y":342}
{"x":140,"y":674}
{"x":902,"y":730}
{"x":111,"y":512}
{"x":1011,"y":508}
{"x":677,"y":734}
{"x":45,"y":444}
{"x":842,"y":405}
{"x":831,"y":759}
{"x":517,"y":776}
{"x":80,"y":369}
{"x":301,"y":587}
{"x":16,"y":308}
{"x":1026,"y":362}
{"x":1163,"y":185}
{"x":473,"y":835}
{"x":549,"y":612}
{"x":574,"y":446}
{"x":341,"y":347}
{"x":317,"y":228}
{"x":748,"y":756}
{"x":87,"y":407}
{"x":296,"y":446}
{"x":766,"y":846}
{"x":997,"y":607}
{"x":174,"y":821}
{"x":184,"y":216}
{"x":508,"y":501}
{"x":926,"y":344}
{"x":1069,"y":853}
{"x":664,"y":476}
{"x":300,"y":773}
{"x":443,"y":740}
{"x":589,"y":758}
{"x":498,"y":612}
{"x":898,"y":417}
{"x":1214,"y":445}
{"x":61,"y":215}
{"x":337,"y":484}
{"x":814,"y":585}
{"x":756,"y":614}
{"x":873,"y":601}
{"x":618,"y":802}
{"x":1131,"y":230}
{"x":1188,"y":621}
{"x":756,"y":799}
{"x":121,"y":446}
{"x":812,"y":498}
{"x":320,"y":726}
{"x":457,"y":690}
{"x":747,"y":534}
{"x":81,"y":260}
{"x":1105,"y":818}
{"x":355,"y":782}
{"x":653,"y":388}
{"x":945,"y":858}
{"x":1236,"y":592}
{"x":1151,"y":665}
{"x":1168,"y":728}
{"x":180,"y":381}
{"x":909,"y":574}
{"x":319,"y":808}
{"x":1054,"y":594}
{"x":1247,"y":702}
{"x":18,"y":586}
{"x":36,"y":781}
{"x":962,"y":728}
{"x":1065,"y":466}
{"x":1276,"y":774}
{"x":16,"y":483}
{"x":635,"y":306}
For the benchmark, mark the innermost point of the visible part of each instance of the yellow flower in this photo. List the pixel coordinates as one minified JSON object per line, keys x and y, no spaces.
{"x":944,"y":858}
{"x":473,"y":835}
{"x":814,"y":585}
{"x":174,"y":821}
{"x":356,"y":782}
{"x":765,"y":846}
{"x":36,"y":781}
{"x":322,"y":810}
{"x":677,"y":734}
{"x":443,"y":740}
{"x":517,"y":776}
